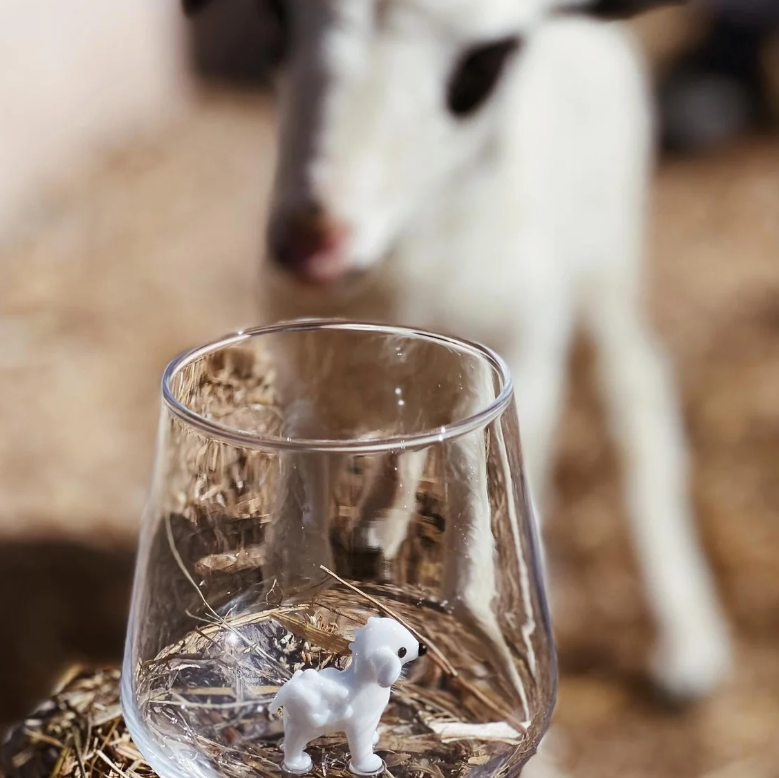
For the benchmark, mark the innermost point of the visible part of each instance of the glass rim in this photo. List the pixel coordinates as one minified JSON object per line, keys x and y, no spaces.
{"x":224,"y":433}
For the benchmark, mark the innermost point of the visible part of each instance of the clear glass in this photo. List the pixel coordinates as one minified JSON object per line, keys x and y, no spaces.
{"x":311,"y":475}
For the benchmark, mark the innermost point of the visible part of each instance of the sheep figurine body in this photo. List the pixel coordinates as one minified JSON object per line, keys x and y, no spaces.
{"x":317,"y":703}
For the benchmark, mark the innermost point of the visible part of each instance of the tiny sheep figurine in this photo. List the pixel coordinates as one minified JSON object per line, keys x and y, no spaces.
{"x":318,"y":702}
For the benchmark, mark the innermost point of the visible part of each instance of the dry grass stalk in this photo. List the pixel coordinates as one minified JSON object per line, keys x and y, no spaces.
{"x":435,"y":652}
{"x":81,"y":732}
{"x":78,"y":732}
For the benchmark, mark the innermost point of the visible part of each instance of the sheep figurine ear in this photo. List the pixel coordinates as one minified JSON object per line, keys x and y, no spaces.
{"x":386,"y":666}
{"x":615,"y":9}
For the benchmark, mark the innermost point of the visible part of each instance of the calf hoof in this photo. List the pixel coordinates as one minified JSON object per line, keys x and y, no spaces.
{"x":371,"y":765}
{"x":693,"y":667}
{"x":299,"y":765}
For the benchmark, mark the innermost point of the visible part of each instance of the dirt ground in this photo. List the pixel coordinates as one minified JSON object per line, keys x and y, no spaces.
{"x":155,"y":251}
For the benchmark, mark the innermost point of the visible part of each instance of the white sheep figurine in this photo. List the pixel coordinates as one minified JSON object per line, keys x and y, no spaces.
{"x":318,"y":702}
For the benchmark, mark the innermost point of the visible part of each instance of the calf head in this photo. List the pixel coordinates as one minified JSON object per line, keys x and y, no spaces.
{"x":384,"y":105}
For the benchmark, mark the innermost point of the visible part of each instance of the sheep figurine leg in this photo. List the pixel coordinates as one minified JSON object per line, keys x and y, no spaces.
{"x":296,"y":760}
{"x":360,"y":736}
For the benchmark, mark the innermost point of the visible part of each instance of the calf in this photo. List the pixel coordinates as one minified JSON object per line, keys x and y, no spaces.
{"x":482,"y":168}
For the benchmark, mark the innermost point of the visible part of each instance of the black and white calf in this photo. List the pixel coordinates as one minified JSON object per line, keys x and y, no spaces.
{"x":482,"y":168}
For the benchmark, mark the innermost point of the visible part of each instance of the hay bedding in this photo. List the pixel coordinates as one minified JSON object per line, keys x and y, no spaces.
{"x":210,"y":689}
{"x":81,"y":303}
{"x":81,"y":732}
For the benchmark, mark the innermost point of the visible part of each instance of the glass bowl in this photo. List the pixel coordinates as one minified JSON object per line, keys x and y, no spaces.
{"x":309,"y":476}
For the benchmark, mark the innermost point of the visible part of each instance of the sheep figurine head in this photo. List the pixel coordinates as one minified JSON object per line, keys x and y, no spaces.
{"x":381,"y":648}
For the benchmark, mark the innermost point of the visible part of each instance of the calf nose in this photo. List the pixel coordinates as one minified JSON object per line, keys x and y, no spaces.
{"x":308,"y":243}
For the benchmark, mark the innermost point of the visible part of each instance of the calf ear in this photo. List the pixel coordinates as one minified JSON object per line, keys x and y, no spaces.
{"x":616,"y":9}
{"x":191,"y":7}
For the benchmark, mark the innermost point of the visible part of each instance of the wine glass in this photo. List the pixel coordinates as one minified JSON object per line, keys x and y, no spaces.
{"x":309,"y":476}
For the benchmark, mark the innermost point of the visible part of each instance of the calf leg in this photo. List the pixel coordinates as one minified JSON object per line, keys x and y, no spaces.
{"x":539,"y":370}
{"x":470,"y":574}
{"x":298,"y":541}
{"x":388,"y":503}
{"x":692,"y":653}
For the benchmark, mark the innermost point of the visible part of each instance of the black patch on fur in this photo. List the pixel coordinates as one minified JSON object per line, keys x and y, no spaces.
{"x":477,"y":73}
{"x":240,"y":41}
{"x":622,"y":9}
{"x":280,"y":34}
{"x":192,"y":7}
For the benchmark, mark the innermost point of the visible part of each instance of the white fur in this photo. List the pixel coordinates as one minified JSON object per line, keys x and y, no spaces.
{"x":511,"y":227}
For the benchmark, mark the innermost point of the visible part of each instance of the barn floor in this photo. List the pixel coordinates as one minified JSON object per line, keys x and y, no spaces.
{"x":155,"y":251}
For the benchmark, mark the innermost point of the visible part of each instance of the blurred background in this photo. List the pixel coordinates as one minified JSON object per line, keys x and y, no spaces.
{"x":135,"y":154}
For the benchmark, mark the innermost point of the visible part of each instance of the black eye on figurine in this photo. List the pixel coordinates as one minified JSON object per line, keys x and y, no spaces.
{"x":402,"y":652}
